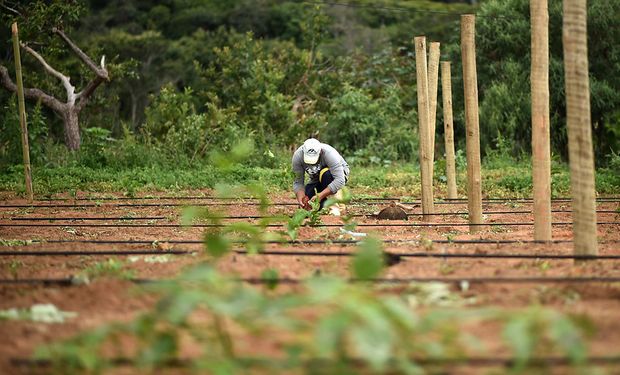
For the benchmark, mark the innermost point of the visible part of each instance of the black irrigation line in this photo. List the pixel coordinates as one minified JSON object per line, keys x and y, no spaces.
{"x":436,"y":255}
{"x":94,"y":252}
{"x":422,"y":225}
{"x":376,"y":281}
{"x":394,"y":255}
{"x":273,"y":204}
{"x":121,"y":218}
{"x":358,"y":200}
{"x":186,"y":197}
{"x":539,"y":361}
{"x":316,"y":242}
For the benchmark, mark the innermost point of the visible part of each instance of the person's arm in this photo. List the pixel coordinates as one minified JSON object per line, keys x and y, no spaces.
{"x":298,"y":182}
{"x":333,"y":161}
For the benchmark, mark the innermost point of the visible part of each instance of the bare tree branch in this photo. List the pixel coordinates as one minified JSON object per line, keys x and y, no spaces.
{"x":85,"y":94}
{"x":33,"y":94}
{"x":100,"y":71}
{"x":66,"y":81}
{"x":12,"y":10}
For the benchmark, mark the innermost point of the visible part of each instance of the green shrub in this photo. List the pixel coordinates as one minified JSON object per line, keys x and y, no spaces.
{"x":371,"y":129}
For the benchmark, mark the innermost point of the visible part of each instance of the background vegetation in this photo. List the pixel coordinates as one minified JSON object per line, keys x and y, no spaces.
{"x":193,"y":76}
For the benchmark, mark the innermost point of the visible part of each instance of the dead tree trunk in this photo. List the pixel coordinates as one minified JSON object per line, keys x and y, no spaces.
{"x":72,"y":128}
{"x":70,"y":109}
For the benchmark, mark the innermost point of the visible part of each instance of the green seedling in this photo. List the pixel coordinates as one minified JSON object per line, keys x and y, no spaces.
{"x":110,"y":268}
{"x":12,"y":243}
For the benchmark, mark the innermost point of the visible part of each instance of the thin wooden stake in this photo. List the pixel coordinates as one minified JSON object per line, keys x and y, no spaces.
{"x":448,"y":127}
{"x":541,"y":154}
{"x":22,"y":112}
{"x":470,"y":81}
{"x":578,"y":120}
{"x":433,"y":83}
{"x":423,"y":124}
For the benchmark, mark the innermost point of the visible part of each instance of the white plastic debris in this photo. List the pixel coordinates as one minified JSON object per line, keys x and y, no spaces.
{"x":351,"y":233}
{"x":164,"y":258}
{"x":41,"y":313}
{"x":464,"y":284}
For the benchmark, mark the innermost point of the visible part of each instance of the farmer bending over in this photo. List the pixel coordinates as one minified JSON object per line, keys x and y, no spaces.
{"x":328,"y":172}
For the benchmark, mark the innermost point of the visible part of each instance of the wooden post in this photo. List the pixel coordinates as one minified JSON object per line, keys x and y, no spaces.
{"x":22,"y":111}
{"x":578,"y":120}
{"x":448,"y":127}
{"x":541,"y":154}
{"x":470,"y":81}
{"x":433,"y":82}
{"x":423,"y":125}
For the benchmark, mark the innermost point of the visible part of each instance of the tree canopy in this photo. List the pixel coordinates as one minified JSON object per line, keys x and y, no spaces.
{"x":191,"y":75}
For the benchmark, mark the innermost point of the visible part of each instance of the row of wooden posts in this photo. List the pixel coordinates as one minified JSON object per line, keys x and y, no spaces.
{"x":578,"y":123}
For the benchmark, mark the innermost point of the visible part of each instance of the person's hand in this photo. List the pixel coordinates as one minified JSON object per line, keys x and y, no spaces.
{"x":302,"y":199}
{"x":305,"y":203}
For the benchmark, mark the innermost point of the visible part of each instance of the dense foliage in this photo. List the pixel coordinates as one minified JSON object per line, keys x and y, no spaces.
{"x":193,"y":76}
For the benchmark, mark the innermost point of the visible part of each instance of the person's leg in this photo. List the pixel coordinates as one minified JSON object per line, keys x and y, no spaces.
{"x":312,"y":188}
{"x":325,"y":178}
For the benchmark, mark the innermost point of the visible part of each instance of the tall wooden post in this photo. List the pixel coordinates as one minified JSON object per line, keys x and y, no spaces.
{"x":578,"y":120}
{"x":433,"y":83}
{"x":541,"y":154}
{"x":22,"y":111}
{"x":470,"y":80}
{"x":448,"y":127}
{"x":423,"y":126}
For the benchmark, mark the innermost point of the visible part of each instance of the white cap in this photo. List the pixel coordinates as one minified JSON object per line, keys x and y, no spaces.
{"x":312,"y":150}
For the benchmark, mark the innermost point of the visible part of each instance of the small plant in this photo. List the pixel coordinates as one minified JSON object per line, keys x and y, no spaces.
{"x":109,"y":268}
{"x":12,"y":243}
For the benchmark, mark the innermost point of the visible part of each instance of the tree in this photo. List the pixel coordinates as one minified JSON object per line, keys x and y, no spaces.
{"x":503,"y":56}
{"x":70,"y":109}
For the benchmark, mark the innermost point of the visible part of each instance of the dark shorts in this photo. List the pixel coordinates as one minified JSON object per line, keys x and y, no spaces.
{"x":325,"y":178}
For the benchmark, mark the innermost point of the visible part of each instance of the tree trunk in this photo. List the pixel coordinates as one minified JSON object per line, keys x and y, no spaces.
{"x":541,"y":154}
{"x":72,"y":128}
{"x":579,"y":126}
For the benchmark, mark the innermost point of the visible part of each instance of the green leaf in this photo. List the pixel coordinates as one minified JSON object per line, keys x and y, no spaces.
{"x":519,"y":336}
{"x":216,"y":245}
{"x":368,"y":261}
{"x":567,"y":336}
{"x":162,"y":347}
{"x":330,"y":332}
{"x":270,"y":276}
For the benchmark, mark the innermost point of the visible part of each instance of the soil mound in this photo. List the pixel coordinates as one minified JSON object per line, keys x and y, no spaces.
{"x":392,"y":213}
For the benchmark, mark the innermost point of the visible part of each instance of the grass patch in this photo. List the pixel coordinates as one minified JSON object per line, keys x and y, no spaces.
{"x":400,"y":179}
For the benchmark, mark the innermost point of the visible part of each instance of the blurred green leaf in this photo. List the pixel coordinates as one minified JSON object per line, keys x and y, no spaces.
{"x":368,"y":261}
{"x":270,"y":277}
{"x":518,"y":334}
{"x":216,"y":244}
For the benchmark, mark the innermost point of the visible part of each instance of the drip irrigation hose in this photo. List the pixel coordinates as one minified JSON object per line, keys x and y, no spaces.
{"x":539,"y":361}
{"x":398,"y":199}
{"x":377,"y":281}
{"x":300,"y":253}
{"x":121,"y":218}
{"x":314,"y":242}
{"x":421,"y":225}
{"x":274,"y":204}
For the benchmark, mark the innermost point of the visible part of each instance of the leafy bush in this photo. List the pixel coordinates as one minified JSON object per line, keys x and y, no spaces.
{"x":371,"y":129}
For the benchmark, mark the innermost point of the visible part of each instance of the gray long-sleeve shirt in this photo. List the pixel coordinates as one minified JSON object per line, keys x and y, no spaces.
{"x":329,"y":158}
